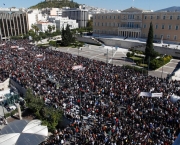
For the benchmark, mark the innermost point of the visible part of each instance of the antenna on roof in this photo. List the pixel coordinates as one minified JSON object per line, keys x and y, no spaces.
{"x":132,"y":3}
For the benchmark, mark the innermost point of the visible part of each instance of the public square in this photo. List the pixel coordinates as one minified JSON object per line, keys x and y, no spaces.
{"x":119,"y":57}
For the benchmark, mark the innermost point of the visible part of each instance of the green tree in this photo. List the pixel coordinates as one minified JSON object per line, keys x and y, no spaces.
{"x":149,"y":51}
{"x":53,"y":27}
{"x":48,"y":115}
{"x":67,"y":38}
{"x":49,"y":28}
{"x":90,"y":25}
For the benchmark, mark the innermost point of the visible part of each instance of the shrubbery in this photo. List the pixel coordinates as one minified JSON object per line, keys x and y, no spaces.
{"x":157,"y":63}
{"x":10,"y":113}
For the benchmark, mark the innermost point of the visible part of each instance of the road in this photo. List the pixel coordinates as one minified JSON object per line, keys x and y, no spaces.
{"x":106,"y":54}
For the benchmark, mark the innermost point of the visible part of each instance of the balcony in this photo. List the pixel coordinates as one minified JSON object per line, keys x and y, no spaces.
{"x":129,"y":28}
{"x":131,"y":20}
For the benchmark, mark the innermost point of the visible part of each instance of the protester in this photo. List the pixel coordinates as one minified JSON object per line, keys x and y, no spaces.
{"x":101,"y":101}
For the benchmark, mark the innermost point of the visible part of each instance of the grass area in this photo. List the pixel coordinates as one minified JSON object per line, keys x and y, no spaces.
{"x":143,"y":65}
{"x":136,"y":58}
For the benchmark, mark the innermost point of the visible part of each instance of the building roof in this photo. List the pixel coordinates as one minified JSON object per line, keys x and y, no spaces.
{"x":132,"y":9}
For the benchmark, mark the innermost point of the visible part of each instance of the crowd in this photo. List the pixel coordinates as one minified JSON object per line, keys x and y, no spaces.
{"x":101,"y":100}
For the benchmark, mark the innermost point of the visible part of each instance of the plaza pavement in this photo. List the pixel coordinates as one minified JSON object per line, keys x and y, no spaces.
{"x":116,"y":57}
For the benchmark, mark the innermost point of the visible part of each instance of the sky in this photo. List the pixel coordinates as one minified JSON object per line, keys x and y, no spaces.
{"x":107,"y":4}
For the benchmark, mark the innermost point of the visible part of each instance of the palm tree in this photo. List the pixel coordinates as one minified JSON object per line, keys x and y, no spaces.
{"x":50,"y":28}
{"x":53,"y":27}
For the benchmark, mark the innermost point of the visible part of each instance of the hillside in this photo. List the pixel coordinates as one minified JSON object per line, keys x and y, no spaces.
{"x":55,"y":4}
{"x":170,"y":9}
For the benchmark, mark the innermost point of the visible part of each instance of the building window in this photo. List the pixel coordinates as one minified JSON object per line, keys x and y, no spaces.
{"x":169,"y":27}
{"x":157,"y":17}
{"x":106,"y":24}
{"x":114,"y":17}
{"x":98,"y":23}
{"x":106,"y":17}
{"x":137,"y":17}
{"x":176,"y":27}
{"x":168,"y":37}
{"x":164,"y":17}
{"x":110,"y":17}
{"x":155,"y":36}
{"x":151,"y":17}
{"x":178,"y":17}
{"x":95,"y":17}
{"x":118,"y":17}
{"x":145,"y":17}
{"x":144,"y":25}
{"x":102,"y":24}
{"x":98,"y":17}
{"x":156,"y":26}
{"x":162,"y":26}
{"x":102,"y":17}
{"x":171,"y":17}
{"x":114,"y":24}
{"x":175,"y":37}
{"x":109,"y":24}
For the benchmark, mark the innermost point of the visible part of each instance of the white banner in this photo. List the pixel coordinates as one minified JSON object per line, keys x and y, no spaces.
{"x":148,"y":94}
{"x":156,"y":94}
{"x":174,"y":98}
{"x":13,"y":47}
{"x":145,"y":94}
{"x":39,"y":56}
{"x":77,"y":67}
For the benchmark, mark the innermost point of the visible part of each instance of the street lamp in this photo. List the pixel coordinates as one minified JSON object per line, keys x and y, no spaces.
{"x":163,"y":65}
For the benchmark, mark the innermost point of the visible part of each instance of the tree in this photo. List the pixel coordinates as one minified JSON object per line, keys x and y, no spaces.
{"x":53,"y":27}
{"x":90,"y":25}
{"x":149,"y":51}
{"x":49,"y":115}
{"x":35,"y":28}
{"x":67,"y":38}
{"x":49,"y":28}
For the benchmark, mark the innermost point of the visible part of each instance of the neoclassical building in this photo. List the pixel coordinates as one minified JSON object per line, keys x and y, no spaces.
{"x":12,"y":23}
{"x":134,"y":22}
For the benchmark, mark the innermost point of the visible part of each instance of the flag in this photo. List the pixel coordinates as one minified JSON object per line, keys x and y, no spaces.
{"x":3,"y":4}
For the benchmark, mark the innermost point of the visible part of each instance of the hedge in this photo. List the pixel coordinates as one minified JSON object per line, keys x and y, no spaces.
{"x":157,"y":63}
{"x":10,"y":113}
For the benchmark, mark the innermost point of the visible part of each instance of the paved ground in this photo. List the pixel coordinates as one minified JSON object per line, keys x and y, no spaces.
{"x":119,"y":57}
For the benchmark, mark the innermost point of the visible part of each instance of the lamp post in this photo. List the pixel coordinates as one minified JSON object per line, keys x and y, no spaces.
{"x":162,"y":66}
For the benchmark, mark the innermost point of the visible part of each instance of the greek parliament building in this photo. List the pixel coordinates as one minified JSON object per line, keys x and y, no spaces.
{"x":135,"y":23}
{"x":13,"y":22}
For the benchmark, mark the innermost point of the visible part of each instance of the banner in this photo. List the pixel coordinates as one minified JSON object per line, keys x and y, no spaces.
{"x":174,"y":98}
{"x":39,"y":56}
{"x":21,"y":48}
{"x":156,"y":94}
{"x":14,"y":47}
{"x":147,"y":94}
{"x":76,"y":67}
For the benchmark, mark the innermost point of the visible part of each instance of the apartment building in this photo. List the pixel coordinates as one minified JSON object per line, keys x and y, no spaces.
{"x":13,"y":22}
{"x":134,"y":22}
{"x":80,"y":15}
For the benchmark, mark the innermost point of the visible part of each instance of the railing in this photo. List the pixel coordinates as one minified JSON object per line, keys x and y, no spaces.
{"x":135,"y":28}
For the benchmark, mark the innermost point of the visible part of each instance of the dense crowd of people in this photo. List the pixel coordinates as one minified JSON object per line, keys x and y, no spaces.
{"x":101,"y":100}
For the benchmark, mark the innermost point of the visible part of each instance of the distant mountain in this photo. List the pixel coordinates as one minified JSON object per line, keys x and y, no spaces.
{"x":55,"y":4}
{"x":170,"y":9}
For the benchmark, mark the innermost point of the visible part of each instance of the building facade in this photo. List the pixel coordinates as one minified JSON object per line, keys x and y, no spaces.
{"x":135,"y":23}
{"x":43,"y":26}
{"x":13,"y":23}
{"x":80,"y":15}
{"x":62,"y":22}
